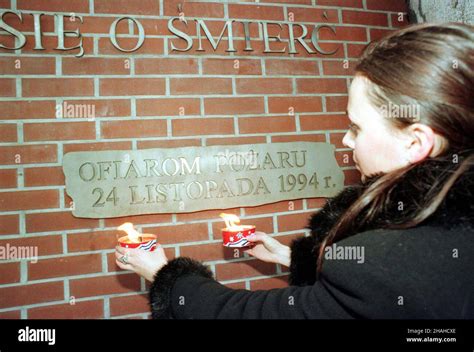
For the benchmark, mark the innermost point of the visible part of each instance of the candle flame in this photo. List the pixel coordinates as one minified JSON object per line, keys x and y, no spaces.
{"x":133,"y":235}
{"x":230,"y":221}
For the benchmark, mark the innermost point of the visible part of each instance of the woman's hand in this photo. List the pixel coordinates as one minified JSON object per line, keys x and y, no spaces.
{"x":268,"y":249}
{"x":144,"y":263}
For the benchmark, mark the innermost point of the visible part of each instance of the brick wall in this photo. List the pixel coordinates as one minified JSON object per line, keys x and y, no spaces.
{"x":157,"y":98}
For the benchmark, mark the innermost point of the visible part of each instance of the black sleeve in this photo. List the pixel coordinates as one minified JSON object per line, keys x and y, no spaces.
{"x":303,"y":261}
{"x":184,"y":289}
{"x":368,"y":288}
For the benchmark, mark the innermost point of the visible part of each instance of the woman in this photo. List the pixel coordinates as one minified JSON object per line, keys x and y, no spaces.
{"x":412,"y":133}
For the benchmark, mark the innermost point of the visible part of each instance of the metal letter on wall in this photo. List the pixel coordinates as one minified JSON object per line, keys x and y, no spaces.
{"x":108,"y":184}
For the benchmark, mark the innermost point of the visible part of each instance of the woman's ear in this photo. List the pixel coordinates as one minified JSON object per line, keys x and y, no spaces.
{"x":421,"y":140}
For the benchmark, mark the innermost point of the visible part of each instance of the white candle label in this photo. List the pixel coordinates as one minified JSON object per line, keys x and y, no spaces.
{"x":106,"y":184}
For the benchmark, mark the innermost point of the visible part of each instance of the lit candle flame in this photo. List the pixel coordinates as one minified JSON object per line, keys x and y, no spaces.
{"x":230,"y":221}
{"x":133,"y":235}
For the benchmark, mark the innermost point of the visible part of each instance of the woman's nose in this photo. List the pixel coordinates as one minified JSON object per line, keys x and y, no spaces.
{"x":348,"y":141}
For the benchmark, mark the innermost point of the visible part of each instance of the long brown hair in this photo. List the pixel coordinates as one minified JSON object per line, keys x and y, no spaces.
{"x":430,"y":66}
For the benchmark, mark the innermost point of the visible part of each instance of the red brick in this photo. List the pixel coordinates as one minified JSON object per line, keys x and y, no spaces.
{"x":57,"y":221}
{"x":129,"y":305}
{"x":169,"y":143}
{"x":47,"y":245}
{"x":264,"y":85}
{"x":164,"y":66}
{"x":180,"y":233}
{"x":239,"y":270}
{"x":270,"y":283}
{"x":338,"y":104}
{"x":297,"y":103}
{"x":291,"y":67}
{"x":366,"y":18}
{"x":14,"y":109}
{"x":200,"y":86}
{"x":58,"y":131}
{"x":101,"y":108}
{"x":54,"y":5}
{"x":44,"y":176}
{"x":132,"y":86}
{"x":65,"y":266}
{"x":256,"y":12}
{"x":205,"y":126}
{"x":376,"y":33}
{"x":144,"y":7}
{"x":193,"y":9}
{"x":8,"y":132}
{"x":92,"y":241}
{"x":299,"y":138}
{"x":79,"y":310}
{"x":88,"y":147}
{"x":168,"y":107}
{"x":131,"y":129}
{"x":233,"y":106}
{"x":104,"y":285}
{"x":278,"y":207}
{"x":210,"y":252}
{"x":8,"y":178}
{"x":341,"y":3}
{"x":355,"y":34}
{"x":315,"y":203}
{"x":400,"y":20}
{"x":12,"y":314}
{"x":321,"y":85}
{"x":235,"y":140}
{"x":25,"y":200}
{"x":151,"y":46}
{"x":344,"y":158}
{"x":336,"y":139}
{"x":57,"y":87}
{"x":292,"y":222}
{"x":387,"y":5}
{"x":352,"y":177}
{"x":9,"y":224}
{"x":340,"y":68}
{"x":323,"y":122}
{"x":95,"y":66}
{"x":139,"y":220}
{"x":304,"y":14}
{"x":355,"y":50}
{"x":10,"y":273}
{"x":7,"y":87}
{"x":263,"y":124}
{"x":31,"y":294}
{"x":5,"y":4}
{"x":231,"y":67}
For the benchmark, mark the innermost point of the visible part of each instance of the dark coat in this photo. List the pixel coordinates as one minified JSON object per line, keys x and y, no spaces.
{"x":425,"y":272}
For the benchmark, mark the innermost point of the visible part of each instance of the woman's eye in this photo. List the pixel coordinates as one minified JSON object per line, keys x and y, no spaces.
{"x":353,"y":128}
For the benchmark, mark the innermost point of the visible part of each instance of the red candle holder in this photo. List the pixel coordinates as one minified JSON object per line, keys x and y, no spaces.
{"x":134,"y":239}
{"x":147,"y":242}
{"x":236,"y":238}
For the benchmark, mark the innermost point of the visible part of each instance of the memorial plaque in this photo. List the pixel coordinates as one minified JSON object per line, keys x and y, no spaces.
{"x":107,"y":184}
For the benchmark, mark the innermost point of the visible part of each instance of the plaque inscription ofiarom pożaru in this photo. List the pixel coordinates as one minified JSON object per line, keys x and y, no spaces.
{"x":106,"y":184}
